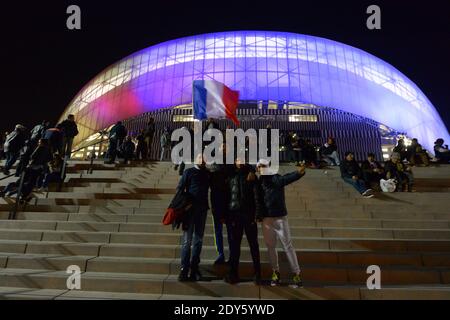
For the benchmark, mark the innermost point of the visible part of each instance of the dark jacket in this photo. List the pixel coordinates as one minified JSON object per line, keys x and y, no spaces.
{"x":70,"y":128}
{"x":38,"y":132}
{"x":350,"y":169}
{"x":15,"y":141}
{"x":41,"y":157}
{"x":242,"y":195}
{"x":54,"y":137}
{"x":328,"y":149}
{"x":118,"y":132}
{"x":179,"y":210}
{"x":150,"y":131}
{"x":366,"y":167}
{"x":127,"y":148}
{"x":196,"y":183}
{"x":395,"y":170}
{"x":272,"y":189}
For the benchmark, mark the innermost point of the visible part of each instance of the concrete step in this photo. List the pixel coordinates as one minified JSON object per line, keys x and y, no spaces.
{"x":341,"y":232}
{"x":308,"y":219}
{"x":436,"y":257}
{"x":311,"y":273}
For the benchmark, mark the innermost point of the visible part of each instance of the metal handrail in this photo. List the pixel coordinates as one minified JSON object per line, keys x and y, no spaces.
{"x":90,"y":169}
{"x":91,"y":145}
{"x":13,"y":212}
{"x":6,"y":177}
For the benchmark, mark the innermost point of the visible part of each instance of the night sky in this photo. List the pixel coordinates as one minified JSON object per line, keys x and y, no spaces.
{"x":44,"y":64}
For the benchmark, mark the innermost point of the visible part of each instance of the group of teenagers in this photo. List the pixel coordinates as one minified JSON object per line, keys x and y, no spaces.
{"x":241,"y":196}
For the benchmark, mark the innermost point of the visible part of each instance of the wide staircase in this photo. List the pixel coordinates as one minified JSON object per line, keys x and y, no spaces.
{"x":108,"y":223}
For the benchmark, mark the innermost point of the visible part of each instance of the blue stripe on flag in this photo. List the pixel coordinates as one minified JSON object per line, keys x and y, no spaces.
{"x":199,"y":99}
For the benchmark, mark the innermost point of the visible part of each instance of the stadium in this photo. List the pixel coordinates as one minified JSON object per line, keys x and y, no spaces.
{"x":313,"y":85}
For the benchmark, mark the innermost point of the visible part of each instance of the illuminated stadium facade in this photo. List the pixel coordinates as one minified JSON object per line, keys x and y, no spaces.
{"x":314,"y":85}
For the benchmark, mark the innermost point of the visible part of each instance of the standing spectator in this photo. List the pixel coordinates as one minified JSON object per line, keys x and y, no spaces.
{"x":372,"y":171}
{"x":441,"y":151}
{"x":219,"y":174}
{"x":310,"y":154}
{"x":396,"y":169}
{"x":55,"y":137}
{"x":243,"y":199}
{"x":400,"y":148}
{"x":116,"y":136}
{"x":149,"y":134}
{"x":14,"y":142}
{"x":352,"y":174}
{"x":416,"y":154}
{"x":127,"y":149}
{"x":70,"y":130}
{"x":166,"y":143}
{"x":141,"y":149}
{"x":195,"y":182}
{"x":293,"y":147}
{"x":329,"y":153}
{"x":274,"y":219}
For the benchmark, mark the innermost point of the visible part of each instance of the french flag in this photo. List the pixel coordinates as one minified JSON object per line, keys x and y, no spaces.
{"x":212,"y":99}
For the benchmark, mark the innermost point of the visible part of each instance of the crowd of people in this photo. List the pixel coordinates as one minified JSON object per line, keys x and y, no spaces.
{"x":138,"y":147}
{"x":40,"y":154}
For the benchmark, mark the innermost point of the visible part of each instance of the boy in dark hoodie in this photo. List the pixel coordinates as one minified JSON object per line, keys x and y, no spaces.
{"x":274,"y":219}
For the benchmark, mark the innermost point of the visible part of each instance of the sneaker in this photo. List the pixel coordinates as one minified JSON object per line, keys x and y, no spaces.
{"x":275,"y":280}
{"x":297,"y":281}
{"x":368,"y":193}
{"x":195,"y":275}
{"x":183,"y":276}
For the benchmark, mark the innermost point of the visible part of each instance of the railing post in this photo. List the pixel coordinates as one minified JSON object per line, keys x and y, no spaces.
{"x":63,"y":173}
{"x":90,"y":170}
{"x":13,"y":212}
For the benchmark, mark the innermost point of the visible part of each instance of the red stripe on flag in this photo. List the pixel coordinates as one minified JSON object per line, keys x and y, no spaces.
{"x":230,"y":99}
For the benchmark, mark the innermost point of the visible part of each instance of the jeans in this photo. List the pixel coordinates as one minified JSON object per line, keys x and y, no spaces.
{"x":359,"y":184}
{"x":218,"y":207}
{"x":333,"y":157}
{"x":11,"y":158}
{"x":112,"y":148}
{"x":238,"y":226}
{"x":164,"y":150}
{"x":193,"y":236}
{"x":67,"y":146}
{"x":404,"y":178}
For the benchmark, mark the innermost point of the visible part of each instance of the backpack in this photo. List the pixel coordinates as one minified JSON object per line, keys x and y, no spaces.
{"x":37,"y":132}
{"x":388,"y":185}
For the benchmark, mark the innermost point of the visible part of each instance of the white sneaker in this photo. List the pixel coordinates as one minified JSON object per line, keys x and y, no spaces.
{"x":368,"y":193}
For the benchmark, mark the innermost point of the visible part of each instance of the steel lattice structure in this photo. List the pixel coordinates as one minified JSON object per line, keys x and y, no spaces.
{"x":263,"y":66}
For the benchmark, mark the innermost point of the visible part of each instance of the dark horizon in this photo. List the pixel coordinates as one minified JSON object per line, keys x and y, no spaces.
{"x":47,"y":64}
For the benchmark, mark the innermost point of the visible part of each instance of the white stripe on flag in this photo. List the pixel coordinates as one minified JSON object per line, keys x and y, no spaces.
{"x":214,"y":104}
